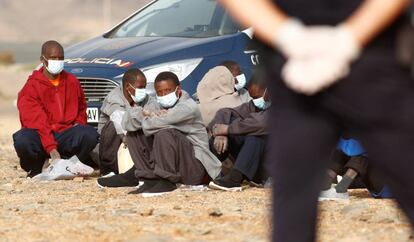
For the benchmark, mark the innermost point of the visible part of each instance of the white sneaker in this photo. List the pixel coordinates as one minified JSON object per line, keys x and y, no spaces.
{"x":108,"y":175}
{"x":216,"y":186}
{"x":332,"y":195}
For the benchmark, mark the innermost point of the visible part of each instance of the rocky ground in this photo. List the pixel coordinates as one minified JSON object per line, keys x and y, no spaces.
{"x":80,"y":211}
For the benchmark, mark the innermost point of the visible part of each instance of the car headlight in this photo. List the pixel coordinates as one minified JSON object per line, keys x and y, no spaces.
{"x":181,"y":68}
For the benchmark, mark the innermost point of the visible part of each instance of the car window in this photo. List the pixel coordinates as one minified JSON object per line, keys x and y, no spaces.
{"x":178,"y":18}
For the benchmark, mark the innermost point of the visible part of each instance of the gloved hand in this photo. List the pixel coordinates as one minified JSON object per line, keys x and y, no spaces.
{"x":311,"y":76}
{"x":324,"y":58}
{"x":54,"y":155}
{"x":221,"y":144}
{"x":296,"y":40}
{"x":220,"y":129}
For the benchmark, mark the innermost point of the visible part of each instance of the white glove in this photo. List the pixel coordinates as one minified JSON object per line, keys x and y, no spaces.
{"x":312,"y":75}
{"x":324,"y":58}
{"x":290,"y":38}
{"x":296,"y":40}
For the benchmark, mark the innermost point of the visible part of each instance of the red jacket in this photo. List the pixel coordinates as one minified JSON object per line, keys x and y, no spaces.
{"x":47,"y":108}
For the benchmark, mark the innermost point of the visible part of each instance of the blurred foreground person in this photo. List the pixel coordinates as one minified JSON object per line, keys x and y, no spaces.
{"x":332,"y":67}
{"x":52,"y":110}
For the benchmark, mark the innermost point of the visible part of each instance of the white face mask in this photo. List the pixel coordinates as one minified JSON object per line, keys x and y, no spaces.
{"x":140,"y":94}
{"x":168,"y":100}
{"x":54,"y":67}
{"x":241,"y":82}
{"x":260,"y":102}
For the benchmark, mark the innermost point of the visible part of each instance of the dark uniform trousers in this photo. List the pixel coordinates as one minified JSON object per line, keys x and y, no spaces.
{"x":108,"y":149}
{"x":375,"y":102}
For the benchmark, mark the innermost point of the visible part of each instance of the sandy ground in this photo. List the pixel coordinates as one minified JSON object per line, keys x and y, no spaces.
{"x":80,"y":211}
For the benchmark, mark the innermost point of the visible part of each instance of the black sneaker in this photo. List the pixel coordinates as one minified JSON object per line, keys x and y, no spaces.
{"x":162,"y":187}
{"x":31,"y":174}
{"x":126,"y":179}
{"x":230,"y":182}
{"x":144,"y":187}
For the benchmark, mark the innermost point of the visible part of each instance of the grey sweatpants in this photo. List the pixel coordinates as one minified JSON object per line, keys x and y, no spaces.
{"x":168,"y":155}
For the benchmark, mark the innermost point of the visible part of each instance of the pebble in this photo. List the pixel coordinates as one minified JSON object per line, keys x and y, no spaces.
{"x":214,"y":212}
{"x":147,"y":212}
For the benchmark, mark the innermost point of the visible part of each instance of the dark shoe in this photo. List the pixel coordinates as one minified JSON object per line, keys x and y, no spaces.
{"x":162,"y":187}
{"x":230,"y":182}
{"x":126,"y":179}
{"x":144,"y":187}
{"x":32,"y":173}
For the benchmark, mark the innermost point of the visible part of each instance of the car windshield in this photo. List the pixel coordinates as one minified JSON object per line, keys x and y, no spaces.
{"x":178,"y":18}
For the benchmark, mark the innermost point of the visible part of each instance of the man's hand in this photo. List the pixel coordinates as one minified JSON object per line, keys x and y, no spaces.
{"x":146,"y":113}
{"x":54,"y":155}
{"x":220,"y":129}
{"x":221,"y":144}
{"x":161,"y":112}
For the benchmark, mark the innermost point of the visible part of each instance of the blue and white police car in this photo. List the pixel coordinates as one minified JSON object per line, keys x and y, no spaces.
{"x":187,"y":37}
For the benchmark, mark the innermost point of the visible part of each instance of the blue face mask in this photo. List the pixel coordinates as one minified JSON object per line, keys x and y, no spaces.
{"x":169,"y":100}
{"x":140,"y":94}
{"x":260,"y":102}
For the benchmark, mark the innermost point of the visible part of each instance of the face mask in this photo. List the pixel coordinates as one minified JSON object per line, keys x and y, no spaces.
{"x":54,"y":67}
{"x":140,"y":94}
{"x":260,"y":103}
{"x":241,"y":82}
{"x":168,"y":100}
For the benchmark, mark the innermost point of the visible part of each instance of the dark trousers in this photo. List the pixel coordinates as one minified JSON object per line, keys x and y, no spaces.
{"x":340,"y":163}
{"x":248,"y":151}
{"x":375,"y":105}
{"x":78,"y":140}
{"x":168,"y":155}
{"x":108,"y":149}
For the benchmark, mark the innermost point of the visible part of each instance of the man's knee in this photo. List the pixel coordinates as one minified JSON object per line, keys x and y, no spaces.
{"x":88,"y":134}
{"x":254,"y":140}
{"x":108,"y":129}
{"x":167,"y":133}
{"x":24,"y":139}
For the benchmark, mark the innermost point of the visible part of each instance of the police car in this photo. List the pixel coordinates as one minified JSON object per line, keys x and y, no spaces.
{"x":187,"y":37}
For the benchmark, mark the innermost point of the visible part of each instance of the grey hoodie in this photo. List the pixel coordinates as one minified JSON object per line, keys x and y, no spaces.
{"x":116,"y":101}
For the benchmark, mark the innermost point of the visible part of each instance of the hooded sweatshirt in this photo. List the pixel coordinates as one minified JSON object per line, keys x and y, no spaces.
{"x":49,"y":109}
{"x":216,"y":91}
{"x":246,"y":120}
{"x":184,"y":116}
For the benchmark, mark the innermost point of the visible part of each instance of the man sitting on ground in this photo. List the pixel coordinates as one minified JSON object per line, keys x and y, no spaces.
{"x":241,"y":132}
{"x":52,"y":110}
{"x":240,"y":79}
{"x":132,"y":94}
{"x":168,"y":144}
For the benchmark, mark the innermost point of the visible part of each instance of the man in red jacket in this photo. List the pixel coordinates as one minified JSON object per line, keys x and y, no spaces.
{"x":52,"y":110}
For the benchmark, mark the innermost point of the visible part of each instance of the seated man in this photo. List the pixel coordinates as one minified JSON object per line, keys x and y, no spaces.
{"x":240,"y":80}
{"x":241,"y":132}
{"x":52,"y":110}
{"x":131,"y":94}
{"x":350,"y":160}
{"x":168,"y":143}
